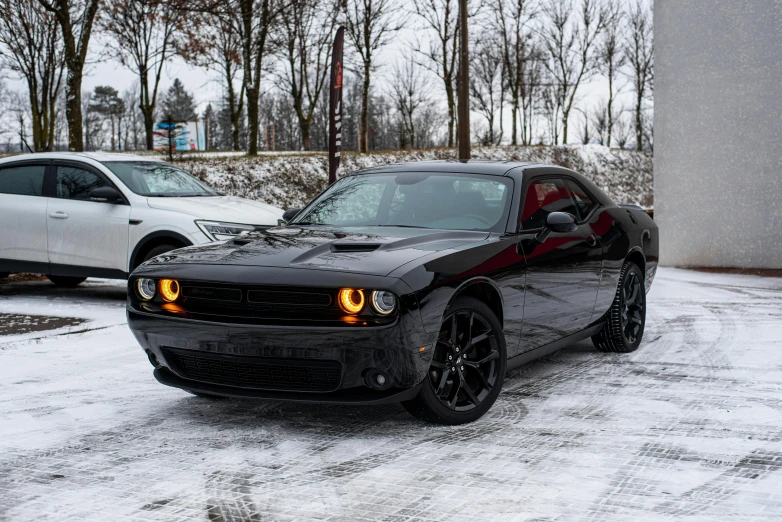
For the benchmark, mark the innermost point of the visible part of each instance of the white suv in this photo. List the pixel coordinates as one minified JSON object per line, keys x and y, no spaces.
{"x":77,"y":215}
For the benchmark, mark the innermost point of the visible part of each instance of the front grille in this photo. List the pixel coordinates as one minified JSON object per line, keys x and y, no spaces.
{"x":256,"y":372}
{"x":212,"y":293}
{"x":288,"y":298}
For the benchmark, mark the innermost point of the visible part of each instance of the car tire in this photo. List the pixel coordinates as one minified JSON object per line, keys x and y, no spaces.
{"x":624,"y":322}
{"x":66,"y":281}
{"x":478,"y":366}
{"x":158,"y":250}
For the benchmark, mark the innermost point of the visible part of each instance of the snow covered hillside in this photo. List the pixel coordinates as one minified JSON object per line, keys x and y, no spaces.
{"x":287,"y":180}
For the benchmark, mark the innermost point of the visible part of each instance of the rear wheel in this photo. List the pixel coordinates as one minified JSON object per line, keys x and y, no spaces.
{"x":625,"y":320}
{"x":468,"y":366}
{"x":66,"y":281}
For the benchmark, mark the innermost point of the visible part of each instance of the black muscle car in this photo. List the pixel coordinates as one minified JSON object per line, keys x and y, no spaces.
{"x":419,"y":283}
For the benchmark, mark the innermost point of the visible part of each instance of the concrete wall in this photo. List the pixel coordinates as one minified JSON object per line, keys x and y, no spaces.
{"x":718,"y":132}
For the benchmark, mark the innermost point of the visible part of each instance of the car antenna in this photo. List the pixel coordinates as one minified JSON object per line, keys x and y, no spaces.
{"x":335,"y":106}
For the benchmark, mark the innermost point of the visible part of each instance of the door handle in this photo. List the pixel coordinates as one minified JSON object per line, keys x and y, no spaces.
{"x":591,"y":239}
{"x":58,"y":215}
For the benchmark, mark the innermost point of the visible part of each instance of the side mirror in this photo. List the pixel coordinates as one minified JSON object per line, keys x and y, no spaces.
{"x":105,"y":195}
{"x":561,"y":222}
{"x":289,"y":214}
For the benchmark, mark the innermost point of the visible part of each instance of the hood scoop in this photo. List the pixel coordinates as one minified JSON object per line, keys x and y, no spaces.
{"x":355,"y":247}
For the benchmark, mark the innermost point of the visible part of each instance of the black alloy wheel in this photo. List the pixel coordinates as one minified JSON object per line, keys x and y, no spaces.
{"x":632,"y":315}
{"x":625,"y":320}
{"x":468,"y":366}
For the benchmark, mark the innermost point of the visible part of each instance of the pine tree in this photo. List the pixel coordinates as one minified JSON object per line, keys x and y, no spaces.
{"x":178,"y":104}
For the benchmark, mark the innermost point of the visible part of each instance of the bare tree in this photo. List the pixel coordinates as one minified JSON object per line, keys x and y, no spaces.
{"x":134,"y":124}
{"x":531,"y":86}
{"x":511,"y":19}
{"x":622,"y":130}
{"x":220,"y":46}
{"x":254,"y":21}
{"x":31,"y":46}
{"x":142,"y":39}
{"x":639,"y":50}
{"x":439,"y":54}
{"x":257,"y":19}
{"x":76,"y":18}
{"x":550,"y":99}
{"x":611,"y":59}
{"x":409,"y":93}
{"x":569,"y":37}
{"x":369,"y":26}
{"x":304,"y":43}
{"x":600,"y":122}
{"x":584,"y":131}
{"x":486,"y":82}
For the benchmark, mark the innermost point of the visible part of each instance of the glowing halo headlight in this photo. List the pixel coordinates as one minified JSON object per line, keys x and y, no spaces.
{"x":169,"y":290}
{"x":146,"y":288}
{"x":383,"y":302}
{"x":351,"y":300}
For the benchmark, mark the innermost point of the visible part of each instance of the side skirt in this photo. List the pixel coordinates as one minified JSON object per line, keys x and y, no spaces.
{"x":16,"y":266}
{"x":542,"y":351}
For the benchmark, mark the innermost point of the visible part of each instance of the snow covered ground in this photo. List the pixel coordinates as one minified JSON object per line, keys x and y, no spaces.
{"x":688,"y":427}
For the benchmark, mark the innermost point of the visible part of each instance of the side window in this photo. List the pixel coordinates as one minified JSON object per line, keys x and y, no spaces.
{"x":76,"y":183}
{"x":544,"y":197}
{"x":584,"y":203}
{"x":23,"y":180}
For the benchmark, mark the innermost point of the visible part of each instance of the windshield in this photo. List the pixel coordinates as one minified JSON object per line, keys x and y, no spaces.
{"x":153,"y":178}
{"x":425,"y":200}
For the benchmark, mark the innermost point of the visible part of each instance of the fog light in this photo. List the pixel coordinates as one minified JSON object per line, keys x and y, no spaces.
{"x":377,"y":380}
{"x":145,"y":288}
{"x":351,"y":300}
{"x":169,"y":289}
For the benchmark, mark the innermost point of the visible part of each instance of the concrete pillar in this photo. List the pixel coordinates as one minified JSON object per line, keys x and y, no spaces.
{"x":718,"y":132}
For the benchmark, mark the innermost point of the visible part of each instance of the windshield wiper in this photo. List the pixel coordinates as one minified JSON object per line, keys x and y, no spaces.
{"x":305,"y":223}
{"x":398,"y":226}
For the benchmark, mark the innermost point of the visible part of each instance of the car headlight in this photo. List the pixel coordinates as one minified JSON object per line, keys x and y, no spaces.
{"x":383,"y":302}
{"x":169,"y":290}
{"x":351,"y":300}
{"x":217,"y":231}
{"x":146,"y":288}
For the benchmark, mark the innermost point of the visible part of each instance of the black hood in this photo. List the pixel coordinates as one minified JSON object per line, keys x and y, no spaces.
{"x":369,"y":250}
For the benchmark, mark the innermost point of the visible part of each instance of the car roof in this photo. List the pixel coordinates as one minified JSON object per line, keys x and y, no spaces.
{"x":95,"y":156}
{"x":490,"y":167}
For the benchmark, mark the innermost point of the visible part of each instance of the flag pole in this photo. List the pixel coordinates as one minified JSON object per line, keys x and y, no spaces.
{"x":335,"y":106}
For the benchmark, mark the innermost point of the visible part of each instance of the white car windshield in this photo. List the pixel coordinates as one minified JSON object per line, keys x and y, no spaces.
{"x":153,"y":178}
{"x":421,"y":200}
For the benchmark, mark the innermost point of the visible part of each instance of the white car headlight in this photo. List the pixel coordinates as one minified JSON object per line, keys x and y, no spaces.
{"x":217,"y":231}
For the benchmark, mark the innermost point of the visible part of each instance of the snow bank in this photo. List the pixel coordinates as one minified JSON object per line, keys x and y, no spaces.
{"x":288,"y":180}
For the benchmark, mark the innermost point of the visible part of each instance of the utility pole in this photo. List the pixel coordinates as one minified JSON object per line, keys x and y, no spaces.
{"x":464,"y":85}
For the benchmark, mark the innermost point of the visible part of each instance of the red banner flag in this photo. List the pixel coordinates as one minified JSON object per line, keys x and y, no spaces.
{"x":335,"y":106}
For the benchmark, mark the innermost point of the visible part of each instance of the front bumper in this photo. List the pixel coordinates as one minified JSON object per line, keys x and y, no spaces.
{"x":354,"y":353}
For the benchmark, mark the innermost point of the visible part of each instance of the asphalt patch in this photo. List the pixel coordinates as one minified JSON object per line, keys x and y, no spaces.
{"x":15,"y":324}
